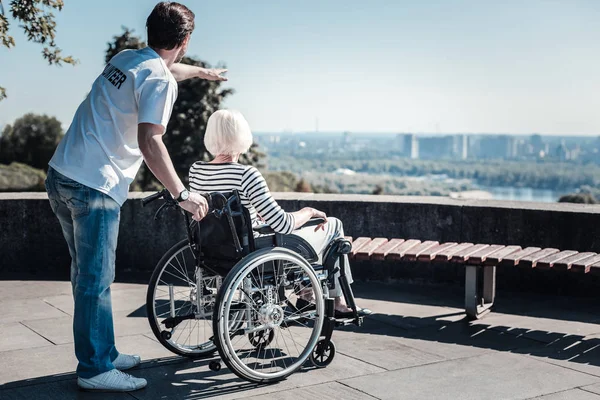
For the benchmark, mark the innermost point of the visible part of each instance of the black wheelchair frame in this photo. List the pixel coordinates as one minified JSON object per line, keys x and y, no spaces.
{"x":228,"y":207}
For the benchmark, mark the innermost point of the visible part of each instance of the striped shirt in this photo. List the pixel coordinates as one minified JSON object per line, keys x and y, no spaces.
{"x":254,"y":193}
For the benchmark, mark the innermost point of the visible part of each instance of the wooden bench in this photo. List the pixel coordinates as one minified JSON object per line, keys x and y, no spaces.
{"x":480,"y":260}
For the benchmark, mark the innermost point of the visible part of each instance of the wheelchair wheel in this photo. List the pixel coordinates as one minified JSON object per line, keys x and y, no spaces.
{"x":261,"y":338}
{"x":273,"y":338}
{"x":180,"y":302}
{"x":323,"y":353}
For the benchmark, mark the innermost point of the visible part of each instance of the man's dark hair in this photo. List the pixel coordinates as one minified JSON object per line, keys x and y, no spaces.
{"x":168,"y":25}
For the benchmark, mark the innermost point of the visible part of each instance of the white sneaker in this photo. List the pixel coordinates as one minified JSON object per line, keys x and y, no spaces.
{"x":112,"y":381}
{"x":125,"y":361}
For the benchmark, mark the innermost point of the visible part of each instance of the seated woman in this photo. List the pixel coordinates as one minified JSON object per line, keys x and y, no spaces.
{"x":228,"y":136}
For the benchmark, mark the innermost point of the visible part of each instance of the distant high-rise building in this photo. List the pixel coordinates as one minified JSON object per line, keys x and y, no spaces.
{"x":503,"y":146}
{"x":436,"y":147}
{"x":411,"y":146}
{"x":537,"y":143}
{"x":460,"y":147}
{"x":347,"y":138}
{"x":398,"y":143}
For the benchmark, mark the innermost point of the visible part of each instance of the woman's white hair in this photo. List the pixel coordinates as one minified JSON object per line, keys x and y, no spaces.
{"x":227,"y":132}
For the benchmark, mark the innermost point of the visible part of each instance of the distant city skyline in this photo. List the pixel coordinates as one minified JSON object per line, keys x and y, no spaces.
{"x":424,"y":67}
{"x":459,"y":147}
{"x":420,"y":133}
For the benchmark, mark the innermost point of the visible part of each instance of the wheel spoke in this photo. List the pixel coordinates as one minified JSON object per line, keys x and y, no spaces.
{"x":190,"y":336}
{"x":277,"y":348}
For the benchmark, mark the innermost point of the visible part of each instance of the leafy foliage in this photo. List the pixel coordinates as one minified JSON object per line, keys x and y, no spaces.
{"x":281,"y":181}
{"x":37,"y":20}
{"x":18,"y":177}
{"x":538,"y":175}
{"x":378,"y":190}
{"x":303,"y":186}
{"x":582,"y":198}
{"x":31,"y":140}
{"x":126,"y":40}
{"x":323,"y":182}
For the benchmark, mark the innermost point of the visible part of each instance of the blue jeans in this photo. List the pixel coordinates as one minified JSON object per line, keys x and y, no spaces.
{"x":90,"y":225}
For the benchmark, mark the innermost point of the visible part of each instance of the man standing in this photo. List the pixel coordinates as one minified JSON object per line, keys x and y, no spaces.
{"x":119,"y":124}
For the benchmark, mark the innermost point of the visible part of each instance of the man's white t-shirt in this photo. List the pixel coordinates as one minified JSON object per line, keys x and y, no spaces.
{"x":100,"y":149}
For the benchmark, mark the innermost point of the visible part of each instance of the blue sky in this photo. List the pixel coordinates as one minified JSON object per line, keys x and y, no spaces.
{"x":471,"y":66}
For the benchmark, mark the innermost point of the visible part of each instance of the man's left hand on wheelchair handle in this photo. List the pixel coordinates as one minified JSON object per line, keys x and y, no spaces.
{"x":196,"y":205}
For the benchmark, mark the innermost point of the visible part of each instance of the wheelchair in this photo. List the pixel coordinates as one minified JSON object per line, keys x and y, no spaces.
{"x":233,"y":288}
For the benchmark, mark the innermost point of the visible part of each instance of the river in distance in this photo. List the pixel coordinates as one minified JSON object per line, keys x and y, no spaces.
{"x":522,"y":194}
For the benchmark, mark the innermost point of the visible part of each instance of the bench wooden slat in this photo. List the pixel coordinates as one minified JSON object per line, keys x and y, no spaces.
{"x":415,"y":252}
{"x":429,"y":254}
{"x":595,"y":268}
{"x":480,"y":256}
{"x":367,"y":250}
{"x":496,"y":257}
{"x":464,"y":255}
{"x":531,"y":260}
{"x":349,"y":238}
{"x":581,"y":266}
{"x":514,"y":258}
{"x":381,"y":252}
{"x":447,"y":254}
{"x":399,"y":251}
{"x":358,"y":244}
{"x":548,"y":262}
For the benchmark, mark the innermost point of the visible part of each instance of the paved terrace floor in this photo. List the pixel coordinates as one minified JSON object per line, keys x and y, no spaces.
{"x":418,"y":346}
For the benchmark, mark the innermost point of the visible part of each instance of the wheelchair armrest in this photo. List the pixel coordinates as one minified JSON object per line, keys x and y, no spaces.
{"x":313,"y":222}
{"x":263,"y":229}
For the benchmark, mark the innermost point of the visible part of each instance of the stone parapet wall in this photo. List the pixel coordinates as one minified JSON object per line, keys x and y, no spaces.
{"x":31,"y":241}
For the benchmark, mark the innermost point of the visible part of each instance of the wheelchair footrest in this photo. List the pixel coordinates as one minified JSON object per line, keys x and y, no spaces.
{"x":349,"y":321}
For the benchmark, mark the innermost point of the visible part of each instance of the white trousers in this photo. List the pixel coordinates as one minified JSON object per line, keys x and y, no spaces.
{"x":319,"y":241}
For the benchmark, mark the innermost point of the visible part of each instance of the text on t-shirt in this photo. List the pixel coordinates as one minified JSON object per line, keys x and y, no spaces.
{"x":114,"y":75}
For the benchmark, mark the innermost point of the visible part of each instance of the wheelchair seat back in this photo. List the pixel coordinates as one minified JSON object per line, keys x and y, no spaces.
{"x":215,"y":235}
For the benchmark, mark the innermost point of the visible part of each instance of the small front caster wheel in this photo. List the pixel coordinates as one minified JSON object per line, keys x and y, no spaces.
{"x":165,"y":335}
{"x":323,"y":353}
{"x":261,"y":339}
{"x":214,"y":365}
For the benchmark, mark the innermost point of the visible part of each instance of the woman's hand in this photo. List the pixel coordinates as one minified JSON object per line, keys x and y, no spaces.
{"x":306,"y":214}
{"x":319,"y":214}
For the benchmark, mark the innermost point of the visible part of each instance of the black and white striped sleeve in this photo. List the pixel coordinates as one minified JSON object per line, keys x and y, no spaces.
{"x":255,"y":189}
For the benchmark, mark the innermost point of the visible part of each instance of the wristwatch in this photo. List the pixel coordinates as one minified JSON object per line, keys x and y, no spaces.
{"x":183,"y":196}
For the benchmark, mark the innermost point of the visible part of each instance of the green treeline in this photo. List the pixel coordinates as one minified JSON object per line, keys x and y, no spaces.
{"x":537,"y":175}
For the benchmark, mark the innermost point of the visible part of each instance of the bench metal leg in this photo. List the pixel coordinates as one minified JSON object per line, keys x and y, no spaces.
{"x":479,"y":299}
{"x":489,"y":284}
{"x":471,"y":297}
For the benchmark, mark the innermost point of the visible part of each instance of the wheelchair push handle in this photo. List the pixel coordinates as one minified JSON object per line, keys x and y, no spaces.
{"x":222,"y":211}
{"x":164,"y":194}
{"x":149,"y":199}
{"x":170,"y":202}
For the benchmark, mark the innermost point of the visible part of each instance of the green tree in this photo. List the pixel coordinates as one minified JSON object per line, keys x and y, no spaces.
{"x":196,"y":101}
{"x":18,"y":177}
{"x":280,"y":181}
{"x":31,"y":140}
{"x":378,"y":190}
{"x":581,"y":198}
{"x":126,"y":40}
{"x":303,"y":186}
{"x":37,"y":20}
